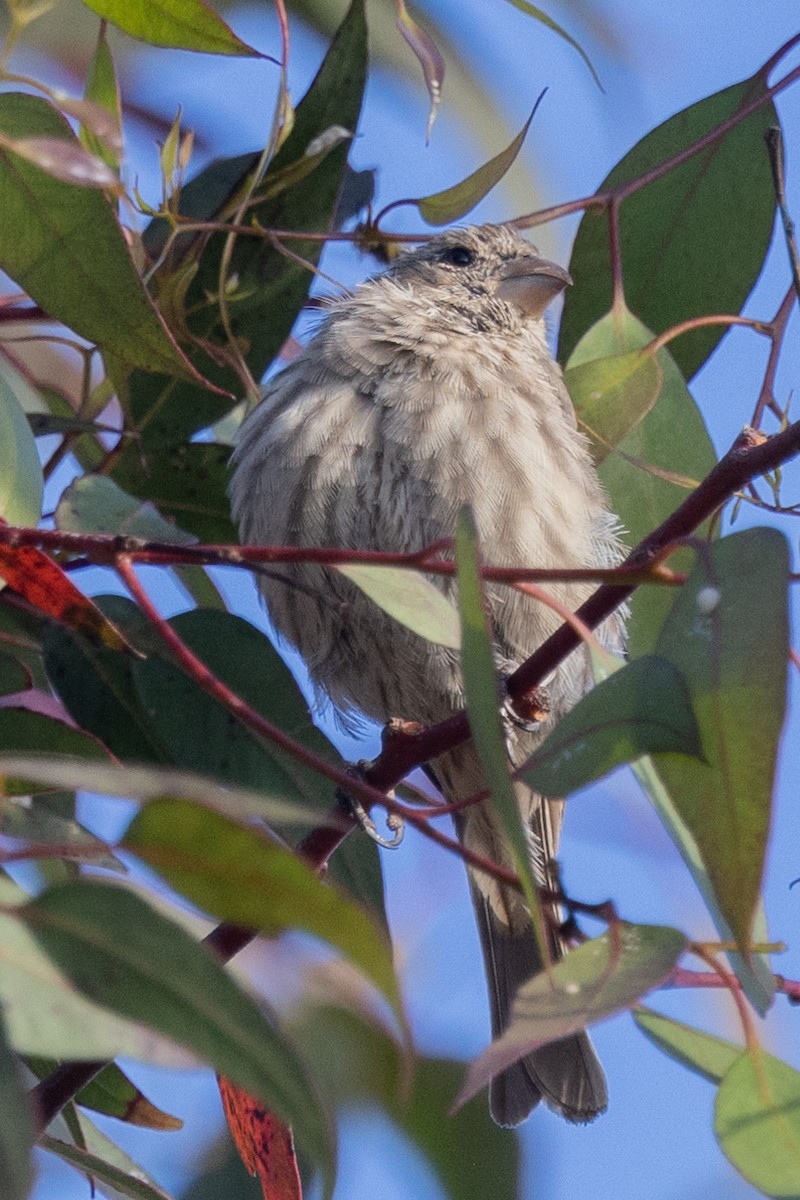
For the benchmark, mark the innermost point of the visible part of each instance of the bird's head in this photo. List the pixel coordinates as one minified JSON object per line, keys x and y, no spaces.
{"x":484,"y":263}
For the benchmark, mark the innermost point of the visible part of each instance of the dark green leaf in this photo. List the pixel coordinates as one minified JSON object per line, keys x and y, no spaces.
{"x":271,"y":288}
{"x":63,"y":245}
{"x":23,"y":731}
{"x":121,"y":953}
{"x":14,"y":675}
{"x":594,"y":981}
{"x":638,"y":710}
{"x":16,"y":1127}
{"x":187,"y":483}
{"x":183,"y":24}
{"x":112,"y":1094}
{"x":693,"y":215}
{"x":96,"y":504}
{"x":244,"y":876}
{"x":727,"y":633}
{"x":757,"y":1122}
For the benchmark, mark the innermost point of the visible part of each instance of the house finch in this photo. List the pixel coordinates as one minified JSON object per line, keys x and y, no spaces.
{"x":432,"y":388}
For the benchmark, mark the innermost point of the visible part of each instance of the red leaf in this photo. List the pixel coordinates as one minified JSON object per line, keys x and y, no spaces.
{"x":265,"y":1144}
{"x":40,"y":581}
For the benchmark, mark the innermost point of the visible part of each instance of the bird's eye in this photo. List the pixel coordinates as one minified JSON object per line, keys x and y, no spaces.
{"x":458,"y":256}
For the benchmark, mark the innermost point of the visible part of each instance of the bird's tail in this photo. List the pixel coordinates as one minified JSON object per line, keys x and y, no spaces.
{"x":565,"y":1074}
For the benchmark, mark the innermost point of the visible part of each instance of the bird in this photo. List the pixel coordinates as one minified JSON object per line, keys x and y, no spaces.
{"x":430,"y":388}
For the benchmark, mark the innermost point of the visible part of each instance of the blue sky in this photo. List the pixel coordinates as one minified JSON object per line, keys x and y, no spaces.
{"x":655,"y":1140}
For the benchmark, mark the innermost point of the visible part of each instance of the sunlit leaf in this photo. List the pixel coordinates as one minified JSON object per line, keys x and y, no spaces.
{"x":757,"y":1122}
{"x":642,"y":708}
{"x":593,"y":981}
{"x":411,"y":599}
{"x":183,"y":24}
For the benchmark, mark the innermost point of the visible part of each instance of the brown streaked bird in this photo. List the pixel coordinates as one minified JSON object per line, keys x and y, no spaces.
{"x":432,"y":388}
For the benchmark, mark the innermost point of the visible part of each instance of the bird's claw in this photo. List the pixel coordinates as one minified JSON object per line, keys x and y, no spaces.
{"x":528,"y":712}
{"x":394,"y":821}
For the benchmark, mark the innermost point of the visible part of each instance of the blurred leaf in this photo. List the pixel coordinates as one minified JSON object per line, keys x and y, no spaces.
{"x":484,"y":702}
{"x":104,"y":1172}
{"x":124,"y":955}
{"x":245,"y":877}
{"x":48,"y":588}
{"x":533,"y":11}
{"x":14,"y":675}
{"x":16,"y":1127}
{"x":63,"y":245}
{"x":23,"y":731}
{"x":727,"y":632}
{"x":703,"y":1053}
{"x":692,"y":215}
{"x":114,"y":1095}
{"x":427,"y":55}
{"x":613,"y":384}
{"x":445,"y":207}
{"x":639,"y":709}
{"x":264,"y":1143}
{"x":45,"y":1015}
{"x":757,"y":1122}
{"x":96,"y":504}
{"x":35,"y":821}
{"x":182,"y":24}
{"x":187,"y":483}
{"x":102,"y":135}
{"x":62,"y":159}
{"x":271,"y":288}
{"x":21,"y":481}
{"x":411,"y":599}
{"x":594,"y":981}
{"x":81,"y":1131}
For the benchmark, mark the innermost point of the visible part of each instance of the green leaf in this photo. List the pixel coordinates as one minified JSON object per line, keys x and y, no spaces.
{"x":647,"y":459}
{"x":21,"y":480}
{"x":244,"y":876}
{"x":34,"y":820}
{"x":271,"y":288}
{"x":693,"y":214}
{"x":23,"y":731}
{"x":757,"y":1122}
{"x":114,"y":1095}
{"x":16,"y":1127}
{"x":200,"y":734}
{"x":96,"y":504}
{"x":533,"y":11}
{"x":428,"y":56}
{"x":182,"y":24}
{"x":703,"y":1053}
{"x":121,"y":1180}
{"x":443,"y":208}
{"x":612,"y":381}
{"x":14,"y":675}
{"x":122,"y":954}
{"x":727,"y":632}
{"x":146,"y":783}
{"x":102,"y":92}
{"x":484,"y":703}
{"x":187,"y":483}
{"x":639,"y":709}
{"x":62,"y":244}
{"x":411,"y":599}
{"x":594,"y":981}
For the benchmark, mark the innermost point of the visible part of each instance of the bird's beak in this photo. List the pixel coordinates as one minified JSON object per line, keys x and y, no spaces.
{"x":532,"y":284}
